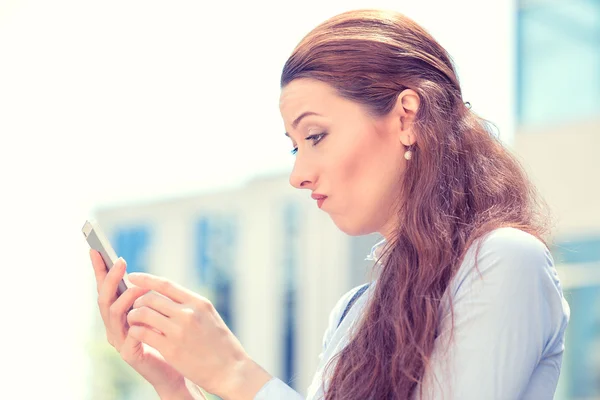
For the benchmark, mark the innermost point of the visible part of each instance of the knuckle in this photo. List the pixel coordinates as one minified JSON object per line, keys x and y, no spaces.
{"x":205,"y":305}
{"x":188,"y":314}
{"x":131,"y":316}
{"x":140,"y":301}
{"x":144,"y":312}
{"x":138,"y":315}
{"x":135,"y":304}
{"x":178,"y":333}
{"x":114,"y":311}
{"x":147,"y":300}
{"x":164,"y":285}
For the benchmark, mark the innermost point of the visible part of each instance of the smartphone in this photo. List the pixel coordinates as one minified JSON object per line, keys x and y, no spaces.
{"x":99,"y":242}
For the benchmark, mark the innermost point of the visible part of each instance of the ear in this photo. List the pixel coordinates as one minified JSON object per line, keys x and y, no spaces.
{"x":405,"y":111}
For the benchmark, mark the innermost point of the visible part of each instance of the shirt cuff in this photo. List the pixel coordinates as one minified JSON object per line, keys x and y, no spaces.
{"x":194,"y":390}
{"x":275,"y":389}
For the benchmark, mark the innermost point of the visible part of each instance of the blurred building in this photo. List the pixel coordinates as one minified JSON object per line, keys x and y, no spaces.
{"x":274,"y":265}
{"x":558,"y":113}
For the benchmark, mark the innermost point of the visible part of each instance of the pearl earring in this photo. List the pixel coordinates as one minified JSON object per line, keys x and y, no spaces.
{"x":408,"y":154}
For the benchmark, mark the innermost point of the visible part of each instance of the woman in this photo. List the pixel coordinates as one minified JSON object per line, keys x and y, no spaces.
{"x":466,"y":303}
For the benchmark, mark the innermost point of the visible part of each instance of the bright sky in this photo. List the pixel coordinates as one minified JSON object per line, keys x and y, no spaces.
{"x":117,"y":101}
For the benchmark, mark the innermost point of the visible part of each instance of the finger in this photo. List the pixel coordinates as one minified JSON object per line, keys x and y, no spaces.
{"x":100,"y":269}
{"x":152,"y":319}
{"x":163,"y":286}
{"x":157,"y":302}
{"x":151,"y":338}
{"x":119,"y":309}
{"x":108,"y":291}
{"x":126,"y":301}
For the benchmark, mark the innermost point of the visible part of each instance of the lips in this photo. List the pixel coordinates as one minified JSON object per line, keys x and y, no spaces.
{"x":320,"y":198}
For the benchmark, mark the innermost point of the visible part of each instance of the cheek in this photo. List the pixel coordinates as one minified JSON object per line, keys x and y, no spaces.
{"x":359,"y":176}
{"x":368,"y":179}
{"x":351,"y":170}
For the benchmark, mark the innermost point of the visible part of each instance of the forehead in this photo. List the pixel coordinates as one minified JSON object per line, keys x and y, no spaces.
{"x":304,"y":94}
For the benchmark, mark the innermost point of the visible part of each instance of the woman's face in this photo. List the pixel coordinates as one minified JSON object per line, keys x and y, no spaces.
{"x":346,"y":154}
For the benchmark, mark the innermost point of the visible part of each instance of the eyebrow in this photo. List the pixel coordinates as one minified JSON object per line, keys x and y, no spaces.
{"x":297,"y":120}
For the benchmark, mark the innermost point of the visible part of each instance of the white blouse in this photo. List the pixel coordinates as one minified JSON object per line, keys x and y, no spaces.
{"x":509,"y":327}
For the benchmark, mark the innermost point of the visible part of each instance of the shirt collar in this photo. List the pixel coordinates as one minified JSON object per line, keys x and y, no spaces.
{"x":376,"y":250}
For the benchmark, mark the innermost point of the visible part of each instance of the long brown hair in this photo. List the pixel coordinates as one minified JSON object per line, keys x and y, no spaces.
{"x":460,"y":184}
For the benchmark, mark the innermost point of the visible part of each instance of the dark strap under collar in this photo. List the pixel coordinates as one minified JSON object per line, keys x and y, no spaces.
{"x":358,"y":293}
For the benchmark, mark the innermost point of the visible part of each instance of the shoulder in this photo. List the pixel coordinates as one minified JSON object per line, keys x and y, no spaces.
{"x":514,"y":273}
{"x":513,"y":243}
{"x":516,"y":250}
{"x":513,"y":280}
{"x":515,"y":253}
{"x":506,"y":256}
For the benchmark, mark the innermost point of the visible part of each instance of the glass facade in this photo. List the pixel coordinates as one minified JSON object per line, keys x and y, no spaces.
{"x":581,"y":362}
{"x":558,"y":56}
{"x":580,"y":378}
{"x":558,"y":81}
{"x":578,"y":251}
{"x":132,"y":243}
{"x":215,"y":239}
{"x":290,"y":281}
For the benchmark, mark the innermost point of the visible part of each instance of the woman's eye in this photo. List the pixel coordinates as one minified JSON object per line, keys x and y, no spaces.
{"x":316,"y":138}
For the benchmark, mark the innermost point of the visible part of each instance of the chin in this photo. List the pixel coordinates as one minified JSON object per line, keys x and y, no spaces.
{"x":352,"y":228}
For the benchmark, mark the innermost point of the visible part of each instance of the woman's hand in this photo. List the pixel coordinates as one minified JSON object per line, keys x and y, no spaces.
{"x":144,"y":359}
{"x":193,"y":338}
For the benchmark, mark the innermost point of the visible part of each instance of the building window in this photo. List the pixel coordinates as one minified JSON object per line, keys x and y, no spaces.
{"x":558,"y":61}
{"x":215,"y":238}
{"x":290,"y":279}
{"x":132,"y":243}
{"x":581,"y":258}
{"x":580,"y":251}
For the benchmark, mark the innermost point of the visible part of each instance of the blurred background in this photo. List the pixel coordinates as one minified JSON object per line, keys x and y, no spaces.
{"x":161,"y":120}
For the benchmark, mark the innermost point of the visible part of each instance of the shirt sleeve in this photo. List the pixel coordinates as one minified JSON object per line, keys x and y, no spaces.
{"x":505,"y":320}
{"x":276,"y":389}
{"x":194,"y":390}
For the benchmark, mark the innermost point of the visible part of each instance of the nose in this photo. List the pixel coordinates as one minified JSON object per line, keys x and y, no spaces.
{"x":302,"y":176}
